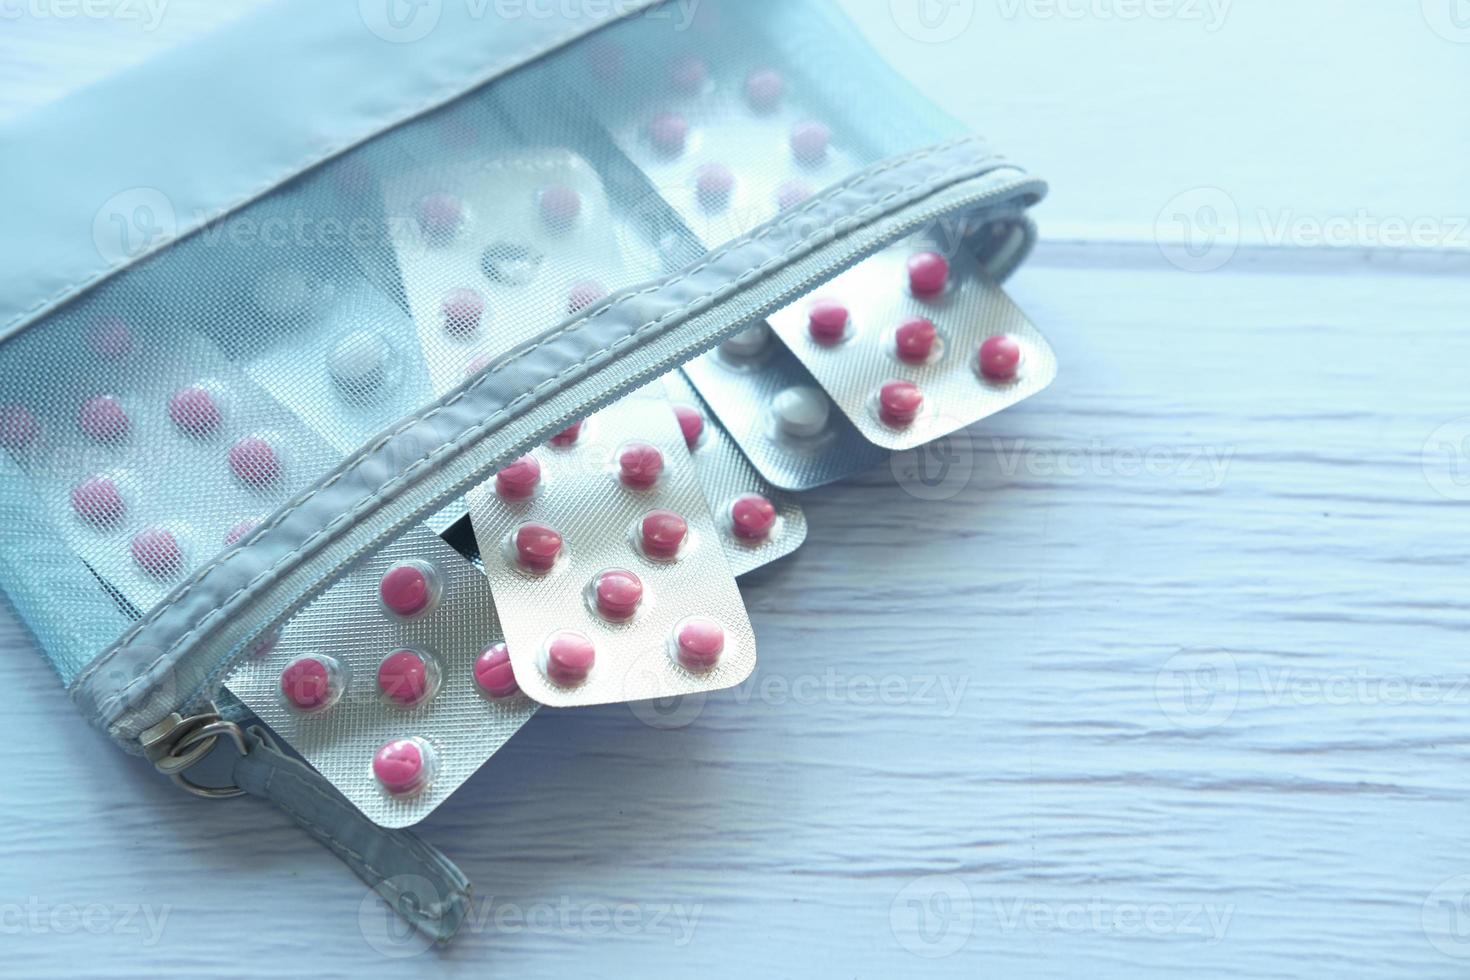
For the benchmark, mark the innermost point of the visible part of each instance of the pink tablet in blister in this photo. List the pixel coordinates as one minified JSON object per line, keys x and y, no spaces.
{"x":463,"y":310}
{"x":560,"y":206}
{"x":110,"y":339}
{"x":752,"y":517}
{"x":568,"y":436}
{"x":404,"y":766}
{"x":103,"y":419}
{"x":999,"y":358}
{"x":698,"y":643}
{"x":409,"y":589}
{"x":97,"y":501}
{"x":494,"y":673}
{"x":617,"y":547}
{"x":156,"y":551}
{"x":311,"y":683}
{"x":519,"y":480}
{"x":254,"y":462}
{"x":407,"y":678}
{"x":194,"y":411}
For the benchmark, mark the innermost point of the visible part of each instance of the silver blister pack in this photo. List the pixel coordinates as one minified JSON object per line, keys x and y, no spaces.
{"x":495,"y":251}
{"x":759,"y":523}
{"x":774,"y":410}
{"x":607,"y":567}
{"x":913,"y":347}
{"x":230,"y":454}
{"x":396,"y":710}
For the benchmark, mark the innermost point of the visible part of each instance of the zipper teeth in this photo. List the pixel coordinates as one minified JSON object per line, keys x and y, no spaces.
{"x":846,"y":258}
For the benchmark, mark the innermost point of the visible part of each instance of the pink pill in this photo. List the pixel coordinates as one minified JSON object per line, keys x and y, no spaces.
{"x":560,"y":205}
{"x":102,"y":418}
{"x":764,"y":88}
{"x":439,"y":215}
{"x":899,"y":402}
{"x":477,"y":364}
{"x":827,"y":321}
{"x":157,"y":552}
{"x":18,"y":427}
{"x":463,"y":309}
{"x":110,"y":339}
{"x":568,"y":436}
{"x":714,"y":182}
{"x":999,"y":357}
{"x":662,"y":534}
{"x":494,"y":673}
{"x":519,"y":480}
{"x":668,"y":132}
{"x":691,"y":423}
{"x":407,"y":589}
{"x":928,"y":273}
{"x":254,"y":462}
{"x":752,"y":517}
{"x":402,"y":766}
{"x":618,"y":593}
{"x":584,"y":294}
{"x":537,"y":547}
{"x":193,"y":410}
{"x":97,"y":501}
{"x":237,"y":533}
{"x":640,"y":465}
{"x":809,"y":141}
{"x":405,"y":677}
{"x":687,"y":75}
{"x":569,"y":657}
{"x":699,"y":643}
{"x":308,"y":684}
{"x":792,"y":194}
{"x":914,"y":340}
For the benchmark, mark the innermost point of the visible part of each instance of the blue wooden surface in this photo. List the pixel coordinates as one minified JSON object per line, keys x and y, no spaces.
{"x":1167,"y":674}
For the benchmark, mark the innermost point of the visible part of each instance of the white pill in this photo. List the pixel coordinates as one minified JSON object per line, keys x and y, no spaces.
{"x":748,"y":342}
{"x":801,"y":411}
{"x":359,"y":363}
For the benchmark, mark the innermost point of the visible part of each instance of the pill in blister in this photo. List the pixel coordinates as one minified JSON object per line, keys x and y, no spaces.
{"x":915,"y":339}
{"x":440,"y":215}
{"x":463,"y":309}
{"x":899,"y":402}
{"x":809,"y":140}
{"x":748,"y":342}
{"x":999,"y":357}
{"x":752,"y":517}
{"x":18,"y":427}
{"x":194,"y":411}
{"x":312,"y":683}
{"x":234,"y":534}
{"x":617,"y":593}
{"x":668,"y":132}
{"x":698,"y":643}
{"x":157,"y":552}
{"x":560,"y":205}
{"x":928,"y":273}
{"x":687,"y":75}
{"x":110,"y":339}
{"x":640,"y":465}
{"x":407,"y":678}
{"x":791,"y":194}
{"x":662,"y":534}
{"x":568,"y":436}
{"x":583,"y":295}
{"x":801,"y":411}
{"x":568,"y":657}
{"x":358,"y":365}
{"x":764,"y":88}
{"x":254,"y":462}
{"x":714,"y":183}
{"x":691,"y":423}
{"x":519,"y":480}
{"x":404,"y":766}
{"x":494,"y":673}
{"x":827,"y":321}
{"x":103,"y":419}
{"x":409,"y":588}
{"x":97,"y":501}
{"x":537,"y":547}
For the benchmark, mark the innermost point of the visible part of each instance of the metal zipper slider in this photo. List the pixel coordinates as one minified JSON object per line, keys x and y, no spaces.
{"x":177,"y":744}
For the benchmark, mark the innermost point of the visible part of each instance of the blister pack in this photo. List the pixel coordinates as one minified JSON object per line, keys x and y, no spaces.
{"x":231,"y":450}
{"x":913,"y":347}
{"x":494,"y":251}
{"x":395,"y":683}
{"x":759,"y":523}
{"x":774,"y":410}
{"x":607,"y":568}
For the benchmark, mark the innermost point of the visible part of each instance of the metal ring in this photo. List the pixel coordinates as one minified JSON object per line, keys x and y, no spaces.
{"x":193,"y":747}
